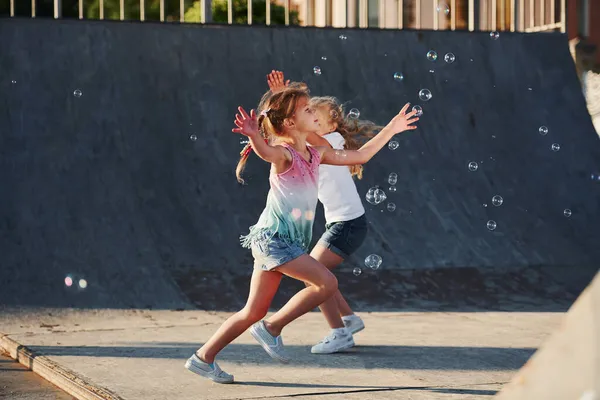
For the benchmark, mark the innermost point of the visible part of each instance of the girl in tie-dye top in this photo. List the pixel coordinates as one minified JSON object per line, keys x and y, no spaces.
{"x":280,"y":239}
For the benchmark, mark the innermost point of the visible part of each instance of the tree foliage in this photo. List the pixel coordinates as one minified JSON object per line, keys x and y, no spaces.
{"x":44,"y":8}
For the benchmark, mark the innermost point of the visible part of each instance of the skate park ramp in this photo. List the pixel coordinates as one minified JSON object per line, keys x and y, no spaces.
{"x":567,"y":366}
{"x":107,"y":185}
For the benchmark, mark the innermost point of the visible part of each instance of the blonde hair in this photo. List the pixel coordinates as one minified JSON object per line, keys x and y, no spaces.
{"x":273,"y":108}
{"x":354,"y":131}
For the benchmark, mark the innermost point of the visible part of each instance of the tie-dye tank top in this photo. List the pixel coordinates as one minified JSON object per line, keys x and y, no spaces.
{"x":291,"y":202}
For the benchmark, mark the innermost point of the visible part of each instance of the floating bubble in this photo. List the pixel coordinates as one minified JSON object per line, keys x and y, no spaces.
{"x":77,"y":93}
{"x":431,"y":55}
{"x":567,"y":212}
{"x":391,"y":207}
{"x":392,"y":188}
{"x":491,"y":225}
{"x":354,"y":113}
{"x":449,"y":58}
{"x":431,"y":71}
{"x":68,"y":281}
{"x":324,"y":58}
{"x":418,"y":110}
{"x":497,"y":200}
{"x":555,"y":147}
{"x":393,"y":145}
{"x":317,"y":70}
{"x":393,"y":178}
{"x":495,"y":35}
{"x":595,"y":177}
{"x":13,"y":81}
{"x":357,"y":271}
{"x":380,"y":196}
{"x":343,"y":37}
{"x":443,"y":8}
{"x":425,"y":94}
{"x":398,"y":76}
{"x":373,"y":261}
{"x":484,"y":205}
{"x":370,"y":196}
{"x":473,"y":166}
{"x":193,"y":138}
{"x":543,"y":130}
{"x":83,"y":283}
{"x":375,"y":196}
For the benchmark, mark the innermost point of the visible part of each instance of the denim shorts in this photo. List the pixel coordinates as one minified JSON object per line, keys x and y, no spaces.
{"x":344,"y":238}
{"x":272,"y":252}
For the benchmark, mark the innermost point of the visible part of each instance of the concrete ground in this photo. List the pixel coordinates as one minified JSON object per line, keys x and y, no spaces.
{"x":19,"y":383}
{"x":139,"y":354}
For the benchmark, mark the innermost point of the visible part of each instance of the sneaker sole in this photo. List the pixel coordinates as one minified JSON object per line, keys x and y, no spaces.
{"x":344,"y":347}
{"x":192,"y":368}
{"x":267,"y":348}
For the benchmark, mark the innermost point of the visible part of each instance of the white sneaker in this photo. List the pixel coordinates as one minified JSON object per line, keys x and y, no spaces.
{"x":272,"y":345}
{"x":353,"y":323}
{"x":333,"y":343}
{"x":216,"y":374}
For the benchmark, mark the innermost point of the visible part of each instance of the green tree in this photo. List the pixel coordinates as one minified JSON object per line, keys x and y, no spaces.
{"x":44,"y":8}
{"x":240,"y":12}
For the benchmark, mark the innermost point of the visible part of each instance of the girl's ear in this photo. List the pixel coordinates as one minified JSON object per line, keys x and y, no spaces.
{"x":288,"y":123}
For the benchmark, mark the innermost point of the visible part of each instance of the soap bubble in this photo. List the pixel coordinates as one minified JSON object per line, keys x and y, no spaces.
{"x":357,"y":271}
{"x":473,"y":166}
{"x":494,"y":35}
{"x":193,"y":138}
{"x":543,"y":130}
{"x":398,"y":76}
{"x":317,"y":70}
{"x":391,"y":207}
{"x":449,"y":58}
{"x":555,"y":147}
{"x":443,"y":8}
{"x":77,"y":93}
{"x":393,"y":178}
{"x":491,"y":225}
{"x":393,"y":145}
{"x":418,"y":110}
{"x":497,"y":200}
{"x":567,"y":212}
{"x":354,"y":113}
{"x":425,"y":94}
{"x":431,"y":55}
{"x":373,"y":261}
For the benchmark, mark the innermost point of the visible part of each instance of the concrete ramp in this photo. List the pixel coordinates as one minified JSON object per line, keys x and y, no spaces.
{"x":567,"y":366}
{"x":109,"y":187}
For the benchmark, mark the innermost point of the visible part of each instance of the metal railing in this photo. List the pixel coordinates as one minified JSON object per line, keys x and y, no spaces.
{"x":490,"y":15}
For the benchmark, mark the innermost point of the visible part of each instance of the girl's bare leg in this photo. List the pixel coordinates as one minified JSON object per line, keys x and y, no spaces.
{"x":321,"y":285}
{"x":263,"y":286}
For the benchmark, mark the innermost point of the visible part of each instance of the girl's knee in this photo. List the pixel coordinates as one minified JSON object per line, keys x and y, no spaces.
{"x":330,"y":284}
{"x":252,"y":315}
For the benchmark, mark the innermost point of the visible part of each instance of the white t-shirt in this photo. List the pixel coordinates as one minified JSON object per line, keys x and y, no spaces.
{"x":337,"y":190}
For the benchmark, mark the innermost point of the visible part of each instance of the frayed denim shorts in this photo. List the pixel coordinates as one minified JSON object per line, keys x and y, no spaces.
{"x":272,"y":252}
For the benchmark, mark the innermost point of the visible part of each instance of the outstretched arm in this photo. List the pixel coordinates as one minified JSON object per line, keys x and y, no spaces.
{"x":400,"y":123}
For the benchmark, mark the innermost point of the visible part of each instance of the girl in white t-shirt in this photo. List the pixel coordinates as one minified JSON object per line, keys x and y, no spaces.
{"x":346,"y":223}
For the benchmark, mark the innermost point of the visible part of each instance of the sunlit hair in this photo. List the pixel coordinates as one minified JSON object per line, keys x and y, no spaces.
{"x":355,"y":132}
{"x":273,"y":110}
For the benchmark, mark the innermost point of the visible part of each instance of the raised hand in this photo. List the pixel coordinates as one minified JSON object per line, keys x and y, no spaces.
{"x":403,"y":121}
{"x":276,"y":81}
{"x":246,"y":124}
